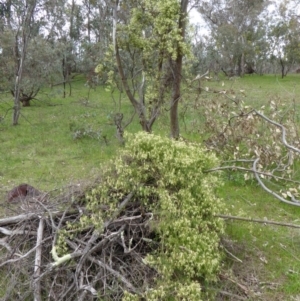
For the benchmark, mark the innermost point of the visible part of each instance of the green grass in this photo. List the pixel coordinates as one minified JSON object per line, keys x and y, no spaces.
{"x":259,"y":89}
{"x":270,"y":263}
{"x":269,"y":253}
{"x":42,"y":151}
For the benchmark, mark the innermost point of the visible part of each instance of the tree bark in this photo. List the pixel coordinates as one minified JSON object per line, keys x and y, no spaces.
{"x":176,"y":93}
{"x":20,"y":60}
{"x":138,"y":106}
{"x":243,"y":64}
{"x":282,"y":68}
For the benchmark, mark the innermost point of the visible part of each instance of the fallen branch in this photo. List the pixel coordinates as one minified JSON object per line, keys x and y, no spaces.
{"x":16,"y":219}
{"x":20,"y":257}
{"x":228,"y":294}
{"x":240,"y":168}
{"x":294,"y":202}
{"x":5,"y":244}
{"x":38,"y":261}
{"x":115,"y":273}
{"x":241,"y":286}
{"x":15,"y":232}
{"x":233,"y":256}
{"x":283,"y":131}
{"x":29,"y":216}
{"x":253,"y":220}
{"x":91,"y":262}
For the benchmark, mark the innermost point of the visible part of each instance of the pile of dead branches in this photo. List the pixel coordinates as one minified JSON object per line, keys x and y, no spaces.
{"x":98,"y":264}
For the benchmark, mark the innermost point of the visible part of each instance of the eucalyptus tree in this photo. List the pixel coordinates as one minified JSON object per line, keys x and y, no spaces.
{"x":149,"y":47}
{"x":20,"y":52}
{"x":233,"y":25}
{"x":98,"y":19}
{"x":29,"y":66}
{"x":284,"y":37}
{"x":97,"y":38}
{"x":86,"y":38}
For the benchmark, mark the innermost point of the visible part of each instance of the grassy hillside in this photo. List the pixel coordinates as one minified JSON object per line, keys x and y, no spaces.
{"x":58,"y":140}
{"x":63,"y":140}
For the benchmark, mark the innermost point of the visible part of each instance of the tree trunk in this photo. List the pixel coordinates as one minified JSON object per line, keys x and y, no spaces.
{"x":17,"y":106}
{"x":64,"y":71}
{"x":138,"y":106}
{"x":242,"y":58}
{"x":176,"y":93}
{"x":282,"y":68}
{"x":26,"y":103}
{"x":242,"y":65}
{"x":89,"y":22}
{"x":174,"y":122}
{"x":20,"y":60}
{"x":239,"y":66}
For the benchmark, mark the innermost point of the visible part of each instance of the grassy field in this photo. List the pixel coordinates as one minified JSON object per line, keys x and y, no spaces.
{"x":58,"y":140}
{"x":66,"y":140}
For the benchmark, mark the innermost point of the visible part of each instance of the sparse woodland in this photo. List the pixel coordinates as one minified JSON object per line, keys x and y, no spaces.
{"x":150,"y":109}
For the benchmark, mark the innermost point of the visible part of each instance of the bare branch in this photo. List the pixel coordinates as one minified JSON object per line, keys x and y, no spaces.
{"x":253,"y":220}
{"x":283,"y":130}
{"x":116,"y":274}
{"x":5,"y":244}
{"x":16,"y":232}
{"x":277,"y":196}
{"x":16,"y":219}
{"x":233,"y":256}
{"x":267,"y":174}
{"x":22,"y":256}
{"x":38,"y":261}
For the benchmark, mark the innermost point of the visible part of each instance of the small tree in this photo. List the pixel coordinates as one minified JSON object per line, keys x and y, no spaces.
{"x":149,"y":50}
{"x":20,"y":57}
{"x":235,"y":27}
{"x":41,"y":66}
{"x":27,"y":58}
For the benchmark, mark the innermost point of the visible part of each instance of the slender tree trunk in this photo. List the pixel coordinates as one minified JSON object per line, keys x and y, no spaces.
{"x":243,"y":57}
{"x":177,"y":69}
{"x":243,"y":64}
{"x":89,"y":21}
{"x":20,"y":60}
{"x":17,"y":104}
{"x":282,"y":68}
{"x":65,"y":73}
{"x":138,"y":106}
{"x":176,"y":93}
{"x":72,"y":33}
{"x":239,"y":66}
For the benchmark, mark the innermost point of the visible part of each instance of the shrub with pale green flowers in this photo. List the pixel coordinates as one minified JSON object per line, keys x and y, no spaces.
{"x":168,"y":179}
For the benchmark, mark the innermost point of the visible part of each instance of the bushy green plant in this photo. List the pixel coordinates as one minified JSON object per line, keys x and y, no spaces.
{"x":168,"y":178}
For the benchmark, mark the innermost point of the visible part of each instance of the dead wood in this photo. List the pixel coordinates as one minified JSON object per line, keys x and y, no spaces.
{"x":96,"y":263}
{"x":16,"y":219}
{"x":38,"y":261}
{"x":260,"y":221}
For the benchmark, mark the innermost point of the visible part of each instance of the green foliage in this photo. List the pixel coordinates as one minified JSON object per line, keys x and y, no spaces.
{"x":41,"y":152}
{"x":41,"y":67}
{"x":168,"y":177}
{"x":148,"y":43}
{"x":160,"y":17}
